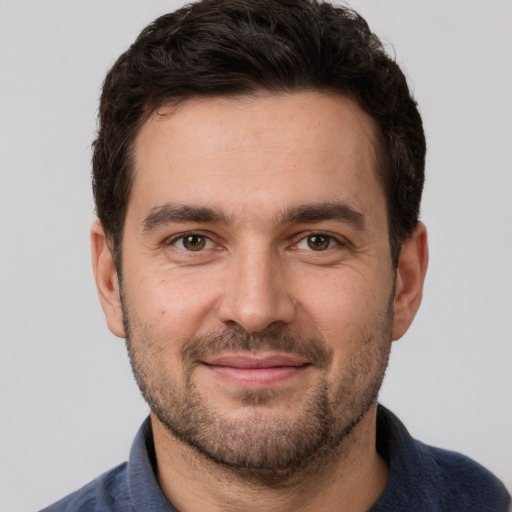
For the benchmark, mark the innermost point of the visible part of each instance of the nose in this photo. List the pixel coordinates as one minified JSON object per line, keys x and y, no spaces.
{"x":256,"y":292}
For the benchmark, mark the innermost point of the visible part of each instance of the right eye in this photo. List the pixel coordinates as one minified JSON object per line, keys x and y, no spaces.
{"x":194,"y":242}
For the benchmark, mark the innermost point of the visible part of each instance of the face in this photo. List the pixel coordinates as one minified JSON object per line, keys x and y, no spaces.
{"x":257,"y":284}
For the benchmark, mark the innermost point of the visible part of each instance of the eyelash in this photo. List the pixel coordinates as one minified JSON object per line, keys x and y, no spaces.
{"x":331,"y":239}
{"x":174,"y":240}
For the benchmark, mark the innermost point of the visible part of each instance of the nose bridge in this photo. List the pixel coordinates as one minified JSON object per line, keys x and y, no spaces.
{"x":256,"y":294}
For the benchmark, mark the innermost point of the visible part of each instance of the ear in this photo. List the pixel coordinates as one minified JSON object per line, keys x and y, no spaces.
{"x":412,"y":267}
{"x":107,"y":282}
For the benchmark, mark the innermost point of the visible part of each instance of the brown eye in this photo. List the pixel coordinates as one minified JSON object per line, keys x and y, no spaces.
{"x":194,"y":242}
{"x":319,"y":242}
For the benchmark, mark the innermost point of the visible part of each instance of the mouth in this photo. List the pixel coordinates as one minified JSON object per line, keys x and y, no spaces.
{"x":256,"y":370}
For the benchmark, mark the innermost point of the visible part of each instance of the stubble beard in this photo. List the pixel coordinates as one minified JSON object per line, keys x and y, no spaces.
{"x":261,"y":446}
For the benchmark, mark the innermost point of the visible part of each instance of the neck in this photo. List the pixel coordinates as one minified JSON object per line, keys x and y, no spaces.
{"x":351,"y":479}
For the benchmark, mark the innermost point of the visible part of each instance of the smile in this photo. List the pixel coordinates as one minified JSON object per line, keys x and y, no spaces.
{"x":253,"y":371}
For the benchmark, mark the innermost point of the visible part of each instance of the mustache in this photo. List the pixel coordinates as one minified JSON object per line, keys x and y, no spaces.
{"x":312,"y":349}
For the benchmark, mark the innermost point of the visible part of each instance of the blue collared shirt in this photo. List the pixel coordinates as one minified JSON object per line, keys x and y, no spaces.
{"x":421,"y":479}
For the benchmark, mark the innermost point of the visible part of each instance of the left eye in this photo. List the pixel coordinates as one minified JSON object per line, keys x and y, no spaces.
{"x":193,"y":242}
{"x":317,"y":242}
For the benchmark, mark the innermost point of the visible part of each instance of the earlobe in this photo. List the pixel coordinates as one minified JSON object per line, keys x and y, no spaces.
{"x":107,"y":282}
{"x":412,"y":267}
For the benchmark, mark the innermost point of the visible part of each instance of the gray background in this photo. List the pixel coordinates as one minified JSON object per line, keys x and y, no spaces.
{"x":68,"y":405}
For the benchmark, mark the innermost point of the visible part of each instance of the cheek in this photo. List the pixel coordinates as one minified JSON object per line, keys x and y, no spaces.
{"x":177,"y":305}
{"x":344,"y":307}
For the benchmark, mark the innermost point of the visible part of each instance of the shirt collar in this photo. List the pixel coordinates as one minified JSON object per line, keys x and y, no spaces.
{"x":394,"y":444}
{"x":144,"y":490}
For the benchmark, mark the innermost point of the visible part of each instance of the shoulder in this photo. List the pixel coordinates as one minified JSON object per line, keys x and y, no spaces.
{"x":126,"y":488}
{"x":107,"y":493}
{"x":427,"y":479}
{"x":462,"y":483}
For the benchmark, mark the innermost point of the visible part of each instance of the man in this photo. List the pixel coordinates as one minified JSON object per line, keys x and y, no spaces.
{"x":257,"y":176}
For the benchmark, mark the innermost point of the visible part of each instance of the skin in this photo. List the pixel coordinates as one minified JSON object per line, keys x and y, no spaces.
{"x":256,"y":161}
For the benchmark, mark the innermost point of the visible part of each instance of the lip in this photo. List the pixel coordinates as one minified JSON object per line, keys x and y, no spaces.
{"x":256,"y":370}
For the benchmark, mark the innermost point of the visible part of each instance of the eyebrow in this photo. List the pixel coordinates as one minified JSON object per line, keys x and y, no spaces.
{"x":169,"y":213}
{"x":308,"y":213}
{"x":315,"y":212}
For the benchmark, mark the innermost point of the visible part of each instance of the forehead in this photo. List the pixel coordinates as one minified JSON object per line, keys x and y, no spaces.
{"x":263,"y":151}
